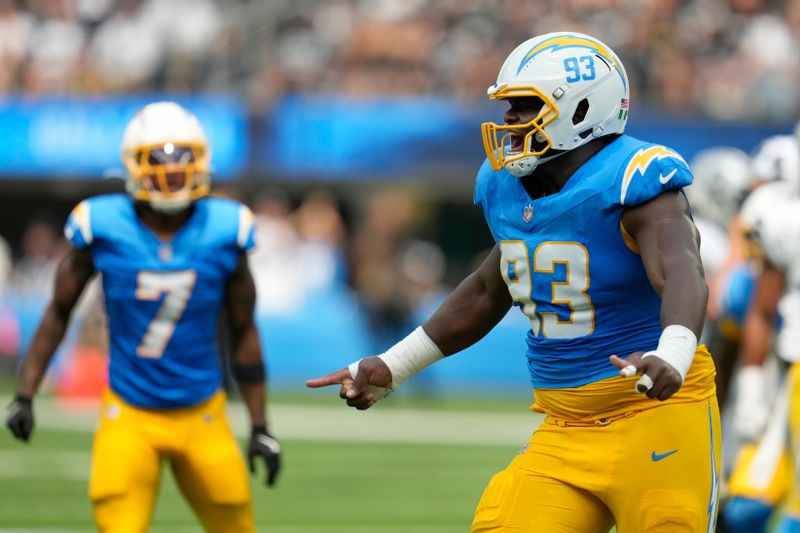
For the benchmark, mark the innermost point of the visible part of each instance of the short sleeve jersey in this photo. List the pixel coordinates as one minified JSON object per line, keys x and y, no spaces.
{"x":163,"y":298}
{"x":570,"y":266}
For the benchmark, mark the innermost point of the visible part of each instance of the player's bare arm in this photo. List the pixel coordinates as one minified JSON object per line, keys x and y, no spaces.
{"x":248,"y":366}
{"x":669,"y":245}
{"x":751,"y":412}
{"x":474,"y":307}
{"x":73,"y":273}
{"x":759,"y":324}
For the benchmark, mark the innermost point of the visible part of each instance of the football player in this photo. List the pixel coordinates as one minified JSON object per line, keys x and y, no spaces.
{"x":762,"y":475}
{"x":722,"y":179}
{"x":596,"y":246}
{"x":172,"y":261}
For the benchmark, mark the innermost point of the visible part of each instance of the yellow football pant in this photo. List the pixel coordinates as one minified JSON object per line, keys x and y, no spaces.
{"x":793,"y":503}
{"x":129,"y":447}
{"x":650,"y":471}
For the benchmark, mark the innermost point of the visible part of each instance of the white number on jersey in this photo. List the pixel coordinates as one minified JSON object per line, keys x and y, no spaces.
{"x":177,"y":286}
{"x":514,"y":267}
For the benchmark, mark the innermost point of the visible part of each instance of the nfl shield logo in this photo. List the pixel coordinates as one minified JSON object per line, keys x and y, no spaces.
{"x":527,"y":213}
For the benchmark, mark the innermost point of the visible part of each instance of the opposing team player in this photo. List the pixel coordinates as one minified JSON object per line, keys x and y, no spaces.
{"x":762,"y":476}
{"x":172,"y":261}
{"x":596,"y":246}
{"x":722,"y":179}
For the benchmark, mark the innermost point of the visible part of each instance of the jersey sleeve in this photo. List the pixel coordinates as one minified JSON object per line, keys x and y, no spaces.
{"x":485,"y":191}
{"x":78,"y":229}
{"x":482,"y":182}
{"x":246,"y":234}
{"x":651,"y":171}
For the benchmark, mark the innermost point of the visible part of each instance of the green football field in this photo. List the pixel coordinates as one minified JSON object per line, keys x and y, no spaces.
{"x":404,"y":466}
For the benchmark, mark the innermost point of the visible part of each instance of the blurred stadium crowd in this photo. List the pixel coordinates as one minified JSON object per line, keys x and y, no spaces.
{"x":729,"y":59}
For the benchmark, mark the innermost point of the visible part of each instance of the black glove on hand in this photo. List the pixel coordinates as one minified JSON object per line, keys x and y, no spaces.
{"x":262,"y":444}
{"x":19,"y":417}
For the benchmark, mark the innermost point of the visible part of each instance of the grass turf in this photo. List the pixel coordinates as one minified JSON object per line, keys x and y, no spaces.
{"x":325,"y":486}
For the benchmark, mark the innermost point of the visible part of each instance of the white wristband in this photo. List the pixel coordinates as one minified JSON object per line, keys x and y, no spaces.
{"x":410,"y":355}
{"x":676,"y":347}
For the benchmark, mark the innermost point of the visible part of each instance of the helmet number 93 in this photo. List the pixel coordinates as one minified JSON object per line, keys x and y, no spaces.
{"x":579,"y":68}
{"x":571,"y":292}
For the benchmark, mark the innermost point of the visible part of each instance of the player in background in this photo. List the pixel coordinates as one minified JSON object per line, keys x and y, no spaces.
{"x":722,"y":179}
{"x":762,"y":475}
{"x":776,"y":171}
{"x":596,"y":246}
{"x":172,"y":261}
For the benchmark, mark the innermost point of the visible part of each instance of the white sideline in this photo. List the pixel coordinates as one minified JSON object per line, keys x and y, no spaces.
{"x":343,"y":424}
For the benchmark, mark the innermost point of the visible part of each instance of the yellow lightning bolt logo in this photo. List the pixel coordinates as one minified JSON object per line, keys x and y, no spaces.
{"x":569,"y":41}
{"x":641,"y":161}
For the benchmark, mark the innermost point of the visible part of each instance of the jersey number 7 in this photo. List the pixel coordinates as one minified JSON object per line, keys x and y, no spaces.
{"x":515,"y":267}
{"x":178,"y":289}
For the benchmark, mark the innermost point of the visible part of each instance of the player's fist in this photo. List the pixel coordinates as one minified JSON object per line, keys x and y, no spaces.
{"x":362,"y":383}
{"x":264,"y":445}
{"x":19,"y":417}
{"x":658,"y":379}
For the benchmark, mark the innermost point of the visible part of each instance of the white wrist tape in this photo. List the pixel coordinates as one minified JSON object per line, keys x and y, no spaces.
{"x":410,"y":355}
{"x":676,"y":347}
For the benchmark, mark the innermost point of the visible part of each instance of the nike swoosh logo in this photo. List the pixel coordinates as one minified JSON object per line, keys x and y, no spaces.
{"x":272,"y":444}
{"x":659,"y":456}
{"x":665,"y":179}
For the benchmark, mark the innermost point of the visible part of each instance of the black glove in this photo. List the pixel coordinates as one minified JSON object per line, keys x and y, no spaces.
{"x":19,"y":417}
{"x":262,"y":444}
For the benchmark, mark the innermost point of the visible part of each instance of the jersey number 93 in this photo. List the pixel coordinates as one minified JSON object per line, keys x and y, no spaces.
{"x":515,"y":268}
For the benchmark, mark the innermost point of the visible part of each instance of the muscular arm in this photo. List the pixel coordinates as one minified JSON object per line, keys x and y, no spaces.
{"x":670,"y":249}
{"x":759,"y":323}
{"x":472,"y":309}
{"x":73,"y":273}
{"x":240,"y":300}
{"x":466,"y":315}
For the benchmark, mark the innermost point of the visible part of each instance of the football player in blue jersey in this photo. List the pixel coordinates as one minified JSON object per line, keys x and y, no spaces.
{"x":596,"y":246}
{"x":172,"y":261}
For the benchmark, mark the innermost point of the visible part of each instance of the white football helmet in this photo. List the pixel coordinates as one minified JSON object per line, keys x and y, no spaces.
{"x":564,"y":70}
{"x":778,"y":159}
{"x":167,"y":157}
{"x":722,"y":179}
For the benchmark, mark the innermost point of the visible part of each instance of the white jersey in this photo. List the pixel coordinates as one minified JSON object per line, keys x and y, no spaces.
{"x":779,"y":234}
{"x":714,"y":245}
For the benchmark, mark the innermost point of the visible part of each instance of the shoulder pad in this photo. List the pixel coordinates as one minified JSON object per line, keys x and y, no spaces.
{"x":232,"y":221}
{"x":482,"y":183}
{"x":650,"y":171}
{"x":246,"y":235}
{"x":78,"y":229}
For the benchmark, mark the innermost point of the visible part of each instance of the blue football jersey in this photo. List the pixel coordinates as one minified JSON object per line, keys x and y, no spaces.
{"x":570,"y":266}
{"x":163,"y":298}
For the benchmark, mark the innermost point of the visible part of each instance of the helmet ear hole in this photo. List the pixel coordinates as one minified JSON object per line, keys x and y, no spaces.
{"x":580,"y":112}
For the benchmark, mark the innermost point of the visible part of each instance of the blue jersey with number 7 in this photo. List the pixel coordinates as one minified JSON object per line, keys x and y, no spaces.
{"x":570,"y":266}
{"x":163,"y":297}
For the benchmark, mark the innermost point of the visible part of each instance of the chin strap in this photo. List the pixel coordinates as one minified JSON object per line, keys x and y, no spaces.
{"x":170,"y":207}
{"x":525,"y":165}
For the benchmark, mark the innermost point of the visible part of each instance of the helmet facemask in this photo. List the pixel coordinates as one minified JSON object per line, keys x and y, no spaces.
{"x":519,"y":147}
{"x":168,"y":176}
